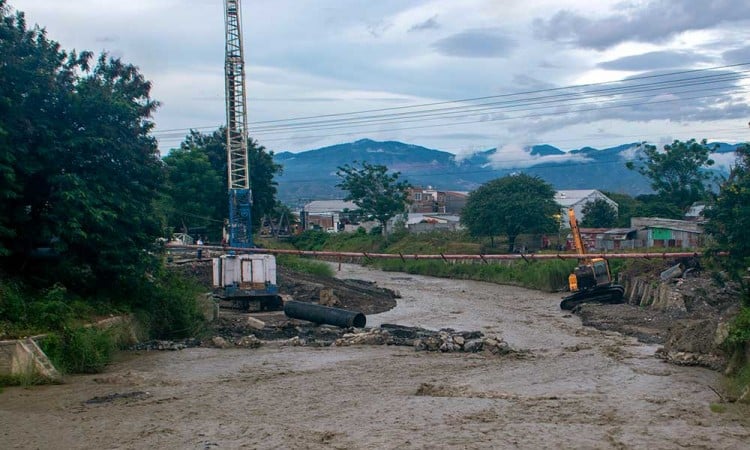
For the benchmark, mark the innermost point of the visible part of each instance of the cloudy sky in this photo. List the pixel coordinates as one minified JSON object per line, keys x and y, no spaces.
{"x":453,"y":75}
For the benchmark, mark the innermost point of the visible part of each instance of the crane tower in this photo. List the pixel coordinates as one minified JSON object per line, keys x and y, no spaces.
{"x":240,"y":193}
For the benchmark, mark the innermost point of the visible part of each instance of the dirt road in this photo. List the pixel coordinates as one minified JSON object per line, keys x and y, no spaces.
{"x":578,"y":388}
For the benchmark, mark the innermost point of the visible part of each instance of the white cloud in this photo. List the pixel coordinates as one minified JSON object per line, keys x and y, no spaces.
{"x":515,"y":156}
{"x":724,"y":161}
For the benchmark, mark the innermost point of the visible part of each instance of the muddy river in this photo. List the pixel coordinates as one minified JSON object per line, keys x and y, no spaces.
{"x":576,"y":388}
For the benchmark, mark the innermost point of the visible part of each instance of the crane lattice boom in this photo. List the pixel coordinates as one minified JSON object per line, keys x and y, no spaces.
{"x":240,"y":195}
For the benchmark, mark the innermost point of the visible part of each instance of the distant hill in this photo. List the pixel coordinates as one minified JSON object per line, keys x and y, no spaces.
{"x":311,"y":174}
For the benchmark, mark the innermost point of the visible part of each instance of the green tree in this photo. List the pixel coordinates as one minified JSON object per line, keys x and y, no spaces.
{"x":729,"y":218}
{"x":626,"y":207}
{"x":378,"y":193}
{"x":197,"y":194}
{"x":79,"y":172}
{"x":511,"y":205}
{"x":210,"y":194}
{"x":598,"y":214}
{"x":650,"y":205}
{"x":678,"y":172}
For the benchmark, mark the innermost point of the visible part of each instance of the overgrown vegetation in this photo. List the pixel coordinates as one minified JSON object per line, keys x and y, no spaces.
{"x":80,"y":349}
{"x":82,"y":198}
{"x":305,"y":265}
{"x":166,"y":305}
{"x":549,"y":276}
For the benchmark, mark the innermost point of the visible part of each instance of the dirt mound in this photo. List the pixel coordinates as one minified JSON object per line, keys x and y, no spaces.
{"x":353,"y":295}
{"x":688,"y":315}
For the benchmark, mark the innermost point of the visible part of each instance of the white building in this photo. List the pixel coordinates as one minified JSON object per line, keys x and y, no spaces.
{"x":577,"y":199}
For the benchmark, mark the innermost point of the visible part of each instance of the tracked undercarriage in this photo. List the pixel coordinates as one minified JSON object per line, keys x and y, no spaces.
{"x":601,"y":294}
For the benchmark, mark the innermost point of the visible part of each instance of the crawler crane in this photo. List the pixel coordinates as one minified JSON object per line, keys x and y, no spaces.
{"x":244,"y":281}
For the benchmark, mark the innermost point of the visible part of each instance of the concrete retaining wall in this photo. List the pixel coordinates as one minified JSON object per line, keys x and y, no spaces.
{"x":23,"y":358}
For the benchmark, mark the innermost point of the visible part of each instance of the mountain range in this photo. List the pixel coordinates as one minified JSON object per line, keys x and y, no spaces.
{"x":311,"y":175}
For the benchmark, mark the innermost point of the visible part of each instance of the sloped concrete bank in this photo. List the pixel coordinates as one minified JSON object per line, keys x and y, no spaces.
{"x":23,"y":359}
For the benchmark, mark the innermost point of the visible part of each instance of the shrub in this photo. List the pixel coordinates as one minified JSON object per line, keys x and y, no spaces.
{"x":169,"y":307}
{"x":739,"y":331}
{"x":80,"y":350}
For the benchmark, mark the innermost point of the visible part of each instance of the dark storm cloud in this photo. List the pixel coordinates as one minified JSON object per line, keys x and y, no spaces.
{"x":429,"y":24}
{"x":478,"y":43}
{"x":654,"y":60}
{"x":654,"y":22}
{"x":737,"y":56}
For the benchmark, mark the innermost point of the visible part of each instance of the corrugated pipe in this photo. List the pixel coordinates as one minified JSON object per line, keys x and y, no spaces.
{"x":324,"y":314}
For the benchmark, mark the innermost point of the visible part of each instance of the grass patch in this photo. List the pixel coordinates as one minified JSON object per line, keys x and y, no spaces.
{"x":718,"y":407}
{"x":305,"y":265}
{"x":548,"y":276}
{"x":25,"y":380}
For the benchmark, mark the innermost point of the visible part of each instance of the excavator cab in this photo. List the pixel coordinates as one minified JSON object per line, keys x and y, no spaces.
{"x":589,"y":276}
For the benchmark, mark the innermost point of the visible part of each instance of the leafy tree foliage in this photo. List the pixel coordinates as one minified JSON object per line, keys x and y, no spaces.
{"x":642,"y":206}
{"x":729,"y":218}
{"x":650,"y":205}
{"x":511,"y":205}
{"x":199,"y":182}
{"x":678,"y":171}
{"x":78,"y":172}
{"x":378,"y":193}
{"x":598,"y":214}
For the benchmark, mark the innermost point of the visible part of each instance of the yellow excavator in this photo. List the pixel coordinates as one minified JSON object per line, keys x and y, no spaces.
{"x":591,"y":281}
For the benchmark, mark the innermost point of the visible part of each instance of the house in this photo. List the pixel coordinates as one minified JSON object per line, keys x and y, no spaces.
{"x":667,"y":233}
{"x":577,"y":199}
{"x":325,"y":214}
{"x":606,"y":239}
{"x":429,"y":200}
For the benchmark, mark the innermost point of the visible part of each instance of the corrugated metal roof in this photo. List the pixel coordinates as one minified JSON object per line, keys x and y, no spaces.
{"x":569,"y":197}
{"x":329,"y":206}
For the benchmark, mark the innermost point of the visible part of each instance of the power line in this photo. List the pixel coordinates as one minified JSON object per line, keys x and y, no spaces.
{"x":496,"y":119}
{"x":537,"y":91}
{"x":520,"y":104}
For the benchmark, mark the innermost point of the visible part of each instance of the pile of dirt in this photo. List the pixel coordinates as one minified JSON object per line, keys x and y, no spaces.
{"x":353,"y":295}
{"x":692,"y":325}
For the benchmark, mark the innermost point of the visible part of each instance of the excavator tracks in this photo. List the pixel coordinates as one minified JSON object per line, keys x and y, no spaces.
{"x":606,"y":295}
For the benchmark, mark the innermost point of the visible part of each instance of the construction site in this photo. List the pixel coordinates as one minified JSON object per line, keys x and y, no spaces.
{"x":370,"y":358}
{"x":440,"y":364}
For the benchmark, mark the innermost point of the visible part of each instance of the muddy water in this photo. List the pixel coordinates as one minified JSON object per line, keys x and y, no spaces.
{"x":578,"y":388}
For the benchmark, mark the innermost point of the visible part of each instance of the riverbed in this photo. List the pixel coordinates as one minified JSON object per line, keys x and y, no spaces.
{"x":569,"y":387}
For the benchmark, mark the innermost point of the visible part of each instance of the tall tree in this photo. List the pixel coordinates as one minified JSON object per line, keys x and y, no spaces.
{"x":678,"y":171}
{"x":197,"y":194}
{"x":209,"y":161}
{"x":79,"y":171}
{"x":729,"y":219}
{"x":511,"y":205}
{"x":598,"y":214}
{"x":378,"y":193}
